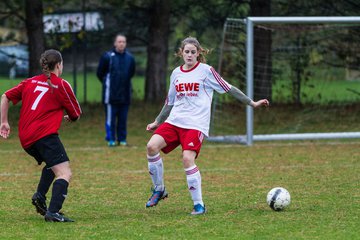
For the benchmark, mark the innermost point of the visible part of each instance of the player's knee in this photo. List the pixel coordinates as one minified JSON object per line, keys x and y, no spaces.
{"x":66,"y":174}
{"x":152,"y":149}
{"x":69,"y":174}
{"x":188,"y":160}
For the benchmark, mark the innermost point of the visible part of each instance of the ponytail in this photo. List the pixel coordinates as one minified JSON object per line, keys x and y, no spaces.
{"x":48,"y":60}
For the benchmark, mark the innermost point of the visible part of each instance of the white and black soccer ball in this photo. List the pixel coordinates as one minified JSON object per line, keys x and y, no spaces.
{"x":278,"y":198}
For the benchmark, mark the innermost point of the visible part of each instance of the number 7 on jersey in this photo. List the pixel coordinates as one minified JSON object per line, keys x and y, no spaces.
{"x":42,"y":90}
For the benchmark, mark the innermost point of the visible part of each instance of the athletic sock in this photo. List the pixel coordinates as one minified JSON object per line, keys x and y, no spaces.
{"x":156,"y":171}
{"x":59,"y":192}
{"x":46,"y":179}
{"x":193,"y":178}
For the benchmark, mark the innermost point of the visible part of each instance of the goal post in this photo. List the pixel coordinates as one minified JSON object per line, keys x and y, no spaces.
{"x":247,"y":29}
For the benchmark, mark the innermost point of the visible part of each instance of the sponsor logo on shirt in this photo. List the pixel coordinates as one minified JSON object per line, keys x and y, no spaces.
{"x":43,"y":83}
{"x":181,"y":87}
{"x":191,"y":89}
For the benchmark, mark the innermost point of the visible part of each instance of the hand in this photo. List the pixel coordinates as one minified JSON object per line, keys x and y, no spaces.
{"x":152,"y":126}
{"x":67,"y":118}
{"x":5,"y":130}
{"x":262,"y":102}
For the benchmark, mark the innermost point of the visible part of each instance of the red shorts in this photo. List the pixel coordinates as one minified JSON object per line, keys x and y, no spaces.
{"x":190,"y":139}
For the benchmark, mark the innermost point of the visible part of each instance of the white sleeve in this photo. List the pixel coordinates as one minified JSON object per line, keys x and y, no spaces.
{"x":170,"y":99}
{"x":216,"y":82}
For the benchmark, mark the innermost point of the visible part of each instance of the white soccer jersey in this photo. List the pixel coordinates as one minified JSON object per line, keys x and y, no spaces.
{"x":191,"y":93}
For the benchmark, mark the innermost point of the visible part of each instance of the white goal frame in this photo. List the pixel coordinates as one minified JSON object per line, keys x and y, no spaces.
{"x":249,"y":138}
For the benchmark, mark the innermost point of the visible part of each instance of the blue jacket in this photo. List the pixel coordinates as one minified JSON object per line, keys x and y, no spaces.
{"x":115,"y":71}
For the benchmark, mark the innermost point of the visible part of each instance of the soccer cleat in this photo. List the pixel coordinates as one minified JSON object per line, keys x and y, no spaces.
{"x":111,"y":143}
{"x":123,"y":143}
{"x":156,"y":197}
{"x":198,"y":209}
{"x":40,"y":203}
{"x":56,"y":217}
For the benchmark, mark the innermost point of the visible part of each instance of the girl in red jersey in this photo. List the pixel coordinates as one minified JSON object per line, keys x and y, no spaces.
{"x":185,"y":118}
{"x":44,"y":99}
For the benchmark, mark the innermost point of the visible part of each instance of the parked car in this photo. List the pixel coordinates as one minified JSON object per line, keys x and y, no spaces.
{"x":14,"y":61}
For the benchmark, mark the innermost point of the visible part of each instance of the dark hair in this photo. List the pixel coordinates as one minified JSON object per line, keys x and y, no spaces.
{"x":195,"y":42}
{"x":48,"y":61}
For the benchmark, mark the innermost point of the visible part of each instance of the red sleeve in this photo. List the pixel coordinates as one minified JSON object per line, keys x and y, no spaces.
{"x":15,"y":94}
{"x":69,"y":101}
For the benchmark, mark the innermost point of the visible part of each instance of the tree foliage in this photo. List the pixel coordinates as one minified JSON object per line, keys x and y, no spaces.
{"x":201,"y":19}
{"x":12,"y":16}
{"x":315,"y":8}
{"x":160,"y":25}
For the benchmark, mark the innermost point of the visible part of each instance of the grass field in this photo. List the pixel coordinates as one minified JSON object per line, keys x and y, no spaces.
{"x":315,"y":91}
{"x":93,"y":86}
{"x":111,"y":185}
{"x":319,"y":92}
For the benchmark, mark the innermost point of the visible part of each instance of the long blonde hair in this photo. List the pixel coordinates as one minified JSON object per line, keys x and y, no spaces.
{"x":48,"y":61}
{"x":191,"y":40}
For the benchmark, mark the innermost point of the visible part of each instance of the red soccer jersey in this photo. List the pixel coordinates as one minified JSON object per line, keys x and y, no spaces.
{"x":42,"y":106}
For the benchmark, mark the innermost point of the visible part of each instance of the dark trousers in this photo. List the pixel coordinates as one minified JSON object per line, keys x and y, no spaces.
{"x":116,"y":121}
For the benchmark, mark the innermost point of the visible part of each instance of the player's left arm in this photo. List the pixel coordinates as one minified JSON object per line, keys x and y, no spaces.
{"x":70,"y":103}
{"x":222,"y":86}
{"x":239,"y":95}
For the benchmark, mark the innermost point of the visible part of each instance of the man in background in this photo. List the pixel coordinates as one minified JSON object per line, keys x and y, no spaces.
{"x":115,"y":70}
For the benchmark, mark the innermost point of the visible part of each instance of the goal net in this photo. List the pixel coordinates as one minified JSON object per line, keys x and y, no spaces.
{"x":309,"y":69}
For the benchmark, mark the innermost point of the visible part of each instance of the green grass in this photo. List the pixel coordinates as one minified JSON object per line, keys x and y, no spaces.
{"x":315,"y":91}
{"x":278,"y":119}
{"x":319,"y":92}
{"x":93,"y":86}
{"x":111,"y":185}
{"x":324,"y":85}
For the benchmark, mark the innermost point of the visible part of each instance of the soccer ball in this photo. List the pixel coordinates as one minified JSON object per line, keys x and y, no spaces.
{"x":278,"y":198}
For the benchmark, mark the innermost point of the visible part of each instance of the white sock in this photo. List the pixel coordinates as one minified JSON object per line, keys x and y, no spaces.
{"x":156,"y":171}
{"x":193,"y":178}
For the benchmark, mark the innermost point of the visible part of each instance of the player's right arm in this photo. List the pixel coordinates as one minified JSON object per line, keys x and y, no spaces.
{"x":165,"y":111}
{"x":4,"y":126}
{"x":163,"y":115}
{"x":14,"y":95}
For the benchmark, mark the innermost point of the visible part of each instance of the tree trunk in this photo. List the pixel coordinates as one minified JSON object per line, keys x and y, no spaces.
{"x":262,"y":52}
{"x":35,"y":33}
{"x":157,"y":50}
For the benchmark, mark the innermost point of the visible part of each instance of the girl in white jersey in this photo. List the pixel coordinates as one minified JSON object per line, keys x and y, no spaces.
{"x":184,"y":120}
